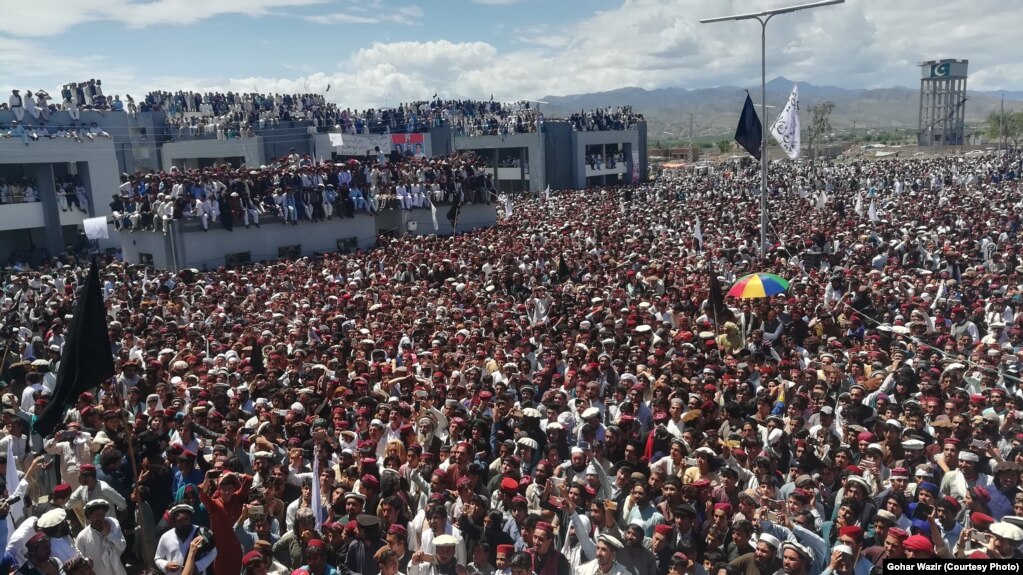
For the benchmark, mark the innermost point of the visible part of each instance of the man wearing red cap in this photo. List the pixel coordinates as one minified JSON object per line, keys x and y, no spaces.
{"x":92,"y":488}
{"x":891,"y":547}
{"x":504,"y":553}
{"x":58,"y":499}
{"x":663,"y":547}
{"x":918,"y":547}
{"x":253,"y":563}
{"x":38,"y":559}
{"x":316,"y":559}
{"x":852,"y":536}
{"x":547,"y":560}
{"x":397,"y":540}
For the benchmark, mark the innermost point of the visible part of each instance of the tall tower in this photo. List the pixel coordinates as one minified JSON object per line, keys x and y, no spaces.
{"x":942,"y":103}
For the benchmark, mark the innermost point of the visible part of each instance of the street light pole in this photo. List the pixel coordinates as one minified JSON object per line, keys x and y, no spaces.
{"x":765,"y":17}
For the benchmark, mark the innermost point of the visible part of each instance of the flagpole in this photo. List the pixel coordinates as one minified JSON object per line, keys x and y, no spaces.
{"x":710,"y":298}
{"x":763,"y":135}
{"x":765,"y":17}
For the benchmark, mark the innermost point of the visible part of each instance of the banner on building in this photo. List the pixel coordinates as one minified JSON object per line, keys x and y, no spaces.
{"x":358,"y":144}
{"x":410,"y":145}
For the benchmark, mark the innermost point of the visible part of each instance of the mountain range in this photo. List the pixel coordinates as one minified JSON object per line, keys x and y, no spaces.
{"x":716,"y":110}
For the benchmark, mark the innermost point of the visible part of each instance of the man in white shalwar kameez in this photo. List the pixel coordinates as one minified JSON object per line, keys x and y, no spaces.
{"x":102,"y":539}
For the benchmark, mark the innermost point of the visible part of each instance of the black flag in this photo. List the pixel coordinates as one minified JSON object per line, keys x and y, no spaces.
{"x":256,"y":359}
{"x":750,"y":133}
{"x":87,"y":360}
{"x":563,"y":270}
{"x":717,"y":298}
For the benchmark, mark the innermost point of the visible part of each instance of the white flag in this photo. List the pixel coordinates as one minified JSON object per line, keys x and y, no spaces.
{"x":547,"y":193}
{"x":316,"y":504}
{"x":507,"y":206}
{"x":859,"y":205}
{"x":17,"y":509}
{"x":698,"y":232}
{"x":939,"y":296}
{"x":433,"y":214}
{"x":872,"y":212}
{"x":822,"y":201}
{"x":96,"y":228}
{"x":786,"y":128}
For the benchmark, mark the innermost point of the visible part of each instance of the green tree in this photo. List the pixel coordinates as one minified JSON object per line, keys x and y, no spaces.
{"x":820,"y":126}
{"x":724,"y":146}
{"x":1006,"y":127}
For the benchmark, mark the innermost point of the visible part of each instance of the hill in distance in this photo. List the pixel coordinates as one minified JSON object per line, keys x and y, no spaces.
{"x":716,"y":110}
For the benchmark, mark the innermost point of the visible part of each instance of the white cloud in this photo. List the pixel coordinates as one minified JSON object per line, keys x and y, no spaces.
{"x":645,"y":43}
{"x":341,"y":18}
{"x":652,"y":43}
{"x":407,"y":15}
{"x":41,"y":18}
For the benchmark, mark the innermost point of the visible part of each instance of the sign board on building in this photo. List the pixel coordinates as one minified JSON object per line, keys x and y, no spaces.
{"x":358,"y":144}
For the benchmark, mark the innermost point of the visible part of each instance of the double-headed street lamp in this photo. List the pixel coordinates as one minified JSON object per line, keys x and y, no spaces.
{"x":764,"y":17}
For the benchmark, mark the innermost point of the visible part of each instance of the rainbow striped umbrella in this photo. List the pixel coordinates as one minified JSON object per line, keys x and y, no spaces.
{"x":759,"y":285}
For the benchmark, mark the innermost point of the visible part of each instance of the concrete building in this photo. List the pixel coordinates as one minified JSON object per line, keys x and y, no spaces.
{"x":151,"y":141}
{"x":942,"y":102}
{"x":559,"y":156}
{"x":187,"y":245}
{"x":33,"y":216}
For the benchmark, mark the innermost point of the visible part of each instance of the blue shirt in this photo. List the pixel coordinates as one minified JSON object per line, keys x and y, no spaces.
{"x":648,"y":517}
{"x":194,"y":477}
{"x":328,"y":569}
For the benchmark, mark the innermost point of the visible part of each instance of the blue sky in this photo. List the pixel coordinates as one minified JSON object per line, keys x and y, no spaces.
{"x":381,"y":52}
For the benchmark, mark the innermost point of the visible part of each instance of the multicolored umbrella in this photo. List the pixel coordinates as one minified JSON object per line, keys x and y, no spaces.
{"x":759,"y":285}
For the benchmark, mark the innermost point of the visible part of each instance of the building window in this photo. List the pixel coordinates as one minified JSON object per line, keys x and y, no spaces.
{"x":146,"y":259}
{"x":289,"y":252}
{"x":347,"y":245}
{"x":238,"y":259}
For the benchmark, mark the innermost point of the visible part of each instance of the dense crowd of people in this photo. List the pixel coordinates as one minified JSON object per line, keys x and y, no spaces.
{"x":295,"y":188}
{"x":27,"y":133}
{"x":70,"y":192}
{"x":75,"y":97}
{"x":603,"y":119}
{"x":239,"y":115}
{"x":563,"y":391}
{"x":233,"y":115}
